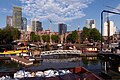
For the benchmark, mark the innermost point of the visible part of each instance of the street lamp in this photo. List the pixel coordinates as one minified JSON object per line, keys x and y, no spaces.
{"x":78,"y":35}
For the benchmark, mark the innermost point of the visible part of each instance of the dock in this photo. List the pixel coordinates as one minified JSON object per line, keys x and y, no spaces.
{"x":88,"y":55}
{"x":21,"y":60}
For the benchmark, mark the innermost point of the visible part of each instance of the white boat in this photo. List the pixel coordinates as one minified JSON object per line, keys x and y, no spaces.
{"x":39,"y":74}
{"x":22,"y":74}
{"x":6,"y":78}
{"x":51,"y":73}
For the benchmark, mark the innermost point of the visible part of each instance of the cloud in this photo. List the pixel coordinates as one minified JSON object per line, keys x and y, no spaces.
{"x":4,"y":10}
{"x":57,"y":10}
{"x":117,"y":10}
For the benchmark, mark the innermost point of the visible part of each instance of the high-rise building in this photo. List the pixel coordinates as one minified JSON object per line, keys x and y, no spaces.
{"x":9,"y":21}
{"x":112,"y":28}
{"x":17,"y":17}
{"x":62,"y":28}
{"x":90,"y":23}
{"x":24,"y":23}
{"x":36,"y":26}
{"x":39,"y":26}
{"x":29,"y":28}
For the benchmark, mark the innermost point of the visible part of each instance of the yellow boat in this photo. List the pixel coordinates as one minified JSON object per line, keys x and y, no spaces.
{"x":14,"y":52}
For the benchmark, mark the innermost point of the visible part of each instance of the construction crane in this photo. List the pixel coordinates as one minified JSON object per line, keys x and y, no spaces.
{"x":50,"y":29}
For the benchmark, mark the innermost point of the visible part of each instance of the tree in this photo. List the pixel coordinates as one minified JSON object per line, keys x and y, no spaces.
{"x":46,"y":38}
{"x":1,"y":36}
{"x":73,"y":37}
{"x":90,"y":34}
{"x":55,"y":38}
{"x":68,"y":38}
{"x":85,"y":34}
{"x":8,"y":34}
{"x":94,"y":35}
{"x":38,"y":37}
{"x":32,"y":36}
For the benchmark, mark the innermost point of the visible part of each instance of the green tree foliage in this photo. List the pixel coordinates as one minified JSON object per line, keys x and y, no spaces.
{"x":73,"y":37}
{"x":94,"y":34}
{"x":68,"y":39}
{"x":46,"y":38}
{"x":90,"y":34}
{"x":55,"y":38}
{"x":34,"y":37}
{"x":85,"y":34}
{"x":8,"y":34}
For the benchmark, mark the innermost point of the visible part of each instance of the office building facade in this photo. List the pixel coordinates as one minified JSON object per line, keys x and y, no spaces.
{"x":24,"y":24}
{"x":9,"y":21}
{"x":62,"y":28}
{"x":112,"y":28}
{"x":17,"y":17}
{"x":36,"y":26}
{"x":90,"y":23}
{"x":39,"y":26}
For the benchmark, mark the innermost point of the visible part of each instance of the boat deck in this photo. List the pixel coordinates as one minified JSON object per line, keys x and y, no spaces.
{"x":21,"y":60}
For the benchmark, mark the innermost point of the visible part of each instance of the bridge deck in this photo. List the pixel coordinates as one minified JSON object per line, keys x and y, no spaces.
{"x":61,"y":52}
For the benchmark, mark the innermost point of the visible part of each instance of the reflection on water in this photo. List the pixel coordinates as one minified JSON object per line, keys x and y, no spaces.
{"x":91,"y":63}
{"x":7,"y":65}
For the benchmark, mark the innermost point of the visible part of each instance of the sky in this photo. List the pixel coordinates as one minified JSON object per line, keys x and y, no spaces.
{"x":71,"y":12}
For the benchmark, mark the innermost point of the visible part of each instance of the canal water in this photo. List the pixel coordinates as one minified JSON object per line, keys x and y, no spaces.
{"x":90,"y":63}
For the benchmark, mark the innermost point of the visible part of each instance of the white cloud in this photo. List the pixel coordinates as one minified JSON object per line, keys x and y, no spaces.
{"x":57,"y":10}
{"x":4,"y":10}
{"x":117,"y":9}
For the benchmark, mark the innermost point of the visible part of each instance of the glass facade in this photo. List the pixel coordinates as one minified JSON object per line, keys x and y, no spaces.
{"x":17,"y":17}
{"x":62,"y":28}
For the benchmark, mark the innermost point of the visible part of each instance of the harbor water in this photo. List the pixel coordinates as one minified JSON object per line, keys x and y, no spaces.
{"x":90,"y":63}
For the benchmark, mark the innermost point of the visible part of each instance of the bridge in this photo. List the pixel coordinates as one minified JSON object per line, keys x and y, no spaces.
{"x":60,"y":53}
{"x":53,"y":52}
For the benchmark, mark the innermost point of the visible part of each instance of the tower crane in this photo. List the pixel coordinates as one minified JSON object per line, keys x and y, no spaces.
{"x":50,"y":29}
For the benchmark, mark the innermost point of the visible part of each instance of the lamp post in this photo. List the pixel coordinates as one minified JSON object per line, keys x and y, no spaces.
{"x":78,"y":35}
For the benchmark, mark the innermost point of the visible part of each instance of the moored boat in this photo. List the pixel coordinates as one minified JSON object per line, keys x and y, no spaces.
{"x":75,"y":73}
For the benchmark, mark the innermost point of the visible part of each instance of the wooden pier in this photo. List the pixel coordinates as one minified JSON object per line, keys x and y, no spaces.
{"x":21,"y":60}
{"x":88,"y":55}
